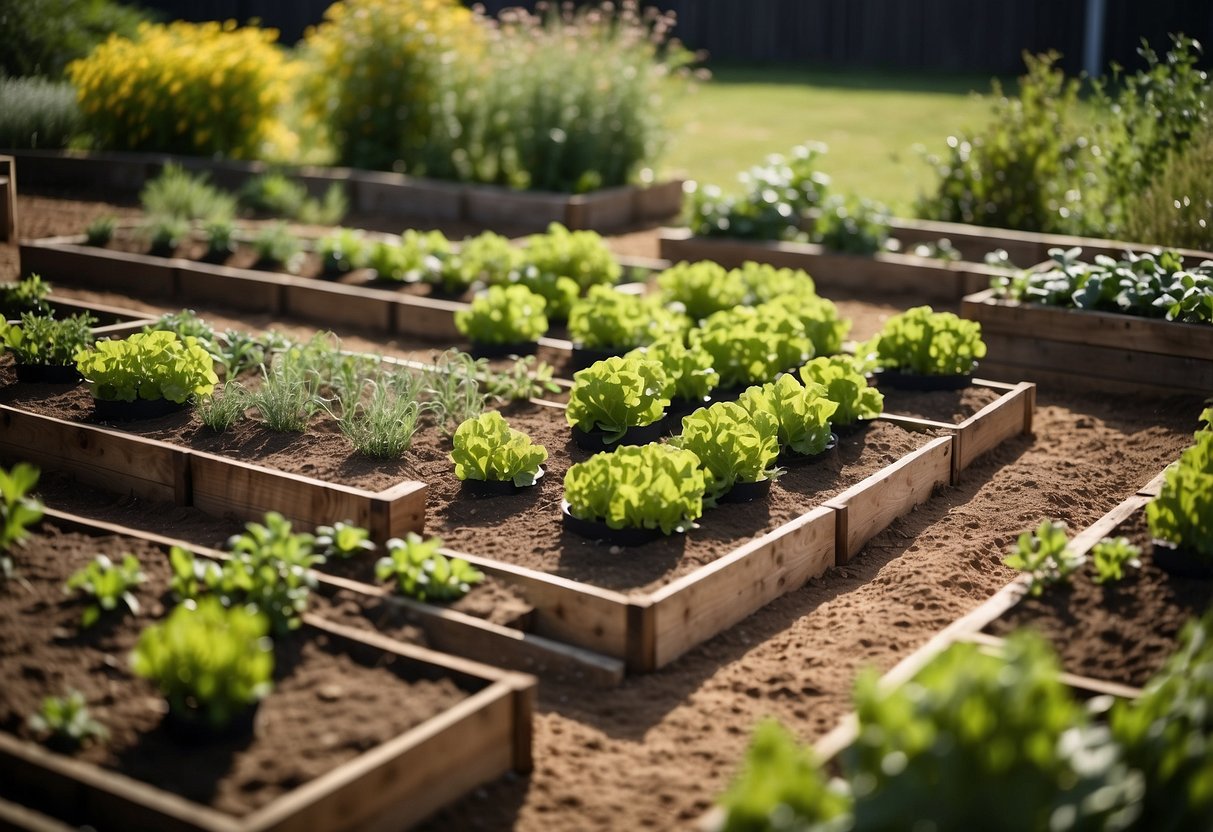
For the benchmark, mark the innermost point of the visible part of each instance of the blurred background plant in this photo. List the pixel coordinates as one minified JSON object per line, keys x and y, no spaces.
{"x":41,"y":37}
{"x":37,"y":113}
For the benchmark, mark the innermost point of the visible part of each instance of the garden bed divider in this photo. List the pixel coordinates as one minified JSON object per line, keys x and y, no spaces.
{"x":8,"y":199}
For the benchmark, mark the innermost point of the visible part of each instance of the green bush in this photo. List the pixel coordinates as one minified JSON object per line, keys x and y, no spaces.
{"x":41,"y":37}
{"x":37,"y":114}
{"x":1176,"y":207}
{"x":852,"y":226}
{"x":179,"y":194}
{"x":41,"y":339}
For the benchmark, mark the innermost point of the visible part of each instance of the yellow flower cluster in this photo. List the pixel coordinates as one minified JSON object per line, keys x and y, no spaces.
{"x":204,"y":89}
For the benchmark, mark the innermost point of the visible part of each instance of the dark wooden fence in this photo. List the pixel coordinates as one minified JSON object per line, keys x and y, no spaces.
{"x":983,"y":36}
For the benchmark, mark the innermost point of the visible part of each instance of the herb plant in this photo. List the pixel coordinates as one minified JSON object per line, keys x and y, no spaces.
{"x":732,"y":444}
{"x":224,"y":407}
{"x":487,"y":448}
{"x":1044,"y":555}
{"x":527,"y":378}
{"x":277,"y":247}
{"x":453,"y":388}
{"x":651,"y":486}
{"x":846,"y":387}
{"x":186,"y":196}
{"x":269,"y":568}
{"x":1111,"y":556}
{"x":607,"y":319}
{"x":852,"y":226}
{"x":151,"y":365}
{"x":926,"y":342}
{"x":287,"y":397}
{"x":220,"y":237}
{"x":18,"y":511}
{"x":43,"y":340}
{"x":343,"y":250}
{"x":100,"y":231}
{"x":165,"y":233}
{"x":109,"y":585}
{"x":279,"y":196}
{"x":801,"y":413}
{"x":702,"y":288}
{"x":1182,"y":513}
{"x":420,"y":571}
{"x":504,"y":315}
{"x":210,"y":662}
{"x":343,"y":540}
{"x":27,"y":295}
{"x":382,"y":424}
{"x":65,"y":721}
{"x":689,"y":369}
{"x":615,"y":394}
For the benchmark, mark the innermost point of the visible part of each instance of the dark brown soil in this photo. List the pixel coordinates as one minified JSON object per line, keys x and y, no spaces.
{"x":947,"y":406}
{"x":1119,"y":632}
{"x":326,"y":707}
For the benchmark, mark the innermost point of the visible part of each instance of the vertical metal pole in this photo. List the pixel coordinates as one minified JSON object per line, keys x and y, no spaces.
{"x":1092,"y":53}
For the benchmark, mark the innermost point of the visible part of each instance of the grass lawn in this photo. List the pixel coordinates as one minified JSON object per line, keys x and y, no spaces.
{"x":870,"y":120}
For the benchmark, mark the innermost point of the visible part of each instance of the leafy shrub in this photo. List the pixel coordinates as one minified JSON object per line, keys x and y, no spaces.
{"x":418,"y":255}
{"x":38,"y":114}
{"x":27,"y":295}
{"x":1111,"y":556}
{"x":733,"y":445}
{"x":609,"y":319}
{"x":846,"y":387}
{"x":41,"y":37}
{"x":751,"y":345}
{"x":487,"y":258}
{"x":100,"y":231}
{"x":151,"y":365}
{"x":18,"y":511}
{"x":343,"y":540}
{"x":373,"y":73}
{"x":41,"y":339}
{"x":197,"y":88}
{"x":65,"y":721}
{"x":853,"y":226}
{"x":926,"y":342}
{"x":702,"y":288}
{"x":640,"y":486}
{"x":279,"y":196}
{"x":1176,"y":207}
{"x":688,"y":369}
{"x":801,"y":413}
{"x":1182,"y":513}
{"x":343,"y":250}
{"x":582,"y":256}
{"x":504,"y":315}
{"x":420,"y":571}
{"x":487,"y":448}
{"x":615,"y":394}
{"x":210,"y":662}
{"x":277,"y":247}
{"x":108,"y":584}
{"x":179,"y":194}
{"x":1045,"y":555}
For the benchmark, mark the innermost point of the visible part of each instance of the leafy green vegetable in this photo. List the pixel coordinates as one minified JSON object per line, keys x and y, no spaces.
{"x":44,"y":340}
{"x":581,"y":256}
{"x":610,"y":319}
{"x":487,"y":448}
{"x":420,"y":571}
{"x":109,"y":584}
{"x":751,"y":345}
{"x":100,"y":231}
{"x":801,"y":412}
{"x":18,"y":511}
{"x":764,"y":282}
{"x":487,"y":258}
{"x":165,"y":233}
{"x":926,"y":342}
{"x":504,"y":315}
{"x":66,"y":721}
{"x":276,"y":246}
{"x":415,"y":258}
{"x":702,"y":288}
{"x":526,"y":378}
{"x":846,"y":387}
{"x":732,"y":444}
{"x":616,"y":394}
{"x":1045,"y":555}
{"x":559,"y":291}
{"x":1110,"y":556}
{"x":688,"y":369}
{"x":1182,"y":513}
{"x":343,"y":250}
{"x":210,"y":662}
{"x":651,"y":486}
{"x":28,"y":295}
{"x":819,"y":316}
{"x":152,"y":365}
{"x":270,"y":569}
{"x":343,"y":540}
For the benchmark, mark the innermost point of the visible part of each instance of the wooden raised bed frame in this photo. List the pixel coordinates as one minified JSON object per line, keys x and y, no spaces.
{"x":1103,"y":350}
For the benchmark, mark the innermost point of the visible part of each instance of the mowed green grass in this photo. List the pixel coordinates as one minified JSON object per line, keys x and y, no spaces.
{"x":871,"y":122}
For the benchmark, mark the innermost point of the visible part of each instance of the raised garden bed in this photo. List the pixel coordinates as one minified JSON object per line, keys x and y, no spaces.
{"x":1101,"y":350}
{"x":374,"y":191}
{"x":8,"y":199}
{"x":876,"y":274}
{"x":360,"y":731}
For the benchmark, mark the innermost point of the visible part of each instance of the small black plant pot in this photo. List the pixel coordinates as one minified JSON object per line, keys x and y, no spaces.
{"x":600,"y":531}
{"x":107,"y":411}
{"x":585,"y":356}
{"x":519,"y":348}
{"x":793,"y":458}
{"x":856,"y":427}
{"x":48,"y":374}
{"x":899,"y":380}
{"x":498,"y":488}
{"x":595,"y":439}
{"x":747,"y":492}
{"x":194,"y":728}
{"x":1180,"y":562}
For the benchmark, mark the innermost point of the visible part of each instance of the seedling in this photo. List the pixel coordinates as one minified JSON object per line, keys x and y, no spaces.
{"x":1045,"y":556}
{"x":343,"y":540}
{"x":420,"y":571}
{"x":18,"y":511}
{"x":108,"y":584}
{"x":100,"y":231}
{"x":527,"y":377}
{"x":1111,"y":556}
{"x":65,"y":722}
{"x":46,"y":341}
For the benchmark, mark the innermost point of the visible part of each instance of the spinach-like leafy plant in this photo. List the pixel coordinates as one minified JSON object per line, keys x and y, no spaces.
{"x":1111,"y":556}
{"x":1045,"y":555}
{"x":610,"y":319}
{"x":640,"y":486}
{"x":504,"y":315}
{"x":689,"y":369}
{"x":615,"y":394}
{"x":420,"y":571}
{"x":152,"y":365}
{"x":487,"y":448}
{"x":65,"y":721}
{"x":1182,"y":513}
{"x":801,"y":412}
{"x":269,"y":568}
{"x":702,"y":288}
{"x":343,"y":540}
{"x":732,"y":444}
{"x":209,"y":661}
{"x":926,"y":342}
{"x":110,"y":586}
{"x":18,"y":511}
{"x":846,"y":387}
{"x":45,"y":341}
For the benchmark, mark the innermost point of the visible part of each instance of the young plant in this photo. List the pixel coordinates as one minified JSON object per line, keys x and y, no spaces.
{"x":220,"y":237}
{"x":846,"y":387}
{"x":1182,"y":513}
{"x":150,"y":365}
{"x":275,"y":195}
{"x":819,"y":316}
{"x":926,"y":342}
{"x":764,"y":282}
{"x":65,"y":722}
{"x":420,"y":571}
{"x":343,"y":540}
{"x":853,"y":226}
{"x":453,"y":388}
{"x":801,"y":413}
{"x":1044,"y":555}
{"x":751,"y":345}
{"x":43,"y":340}
{"x":417,"y":256}
{"x":277,"y":247}
{"x":18,"y":511}
{"x":382,"y":424}
{"x":527,"y":378}
{"x":287,"y":397}
{"x":269,"y":568}
{"x":504,"y":315}
{"x":343,"y":250}
{"x":210,"y":662}
{"x":109,"y":584}
{"x":638,"y":486}
{"x":488,"y":449}
{"x":702,"y":288}
{"x":165,"y":233}
{"x":487,"y":258}
{"x":223,"y":408}
{"x":732,"y":445}
{"x":28,"y":295}
{"x":1111,"y":556}
{"x":615,"y":394}
{"x":186,"y":196}
{"x":558,"y":291}
{"x":100,"y":231}
{"x":582,"y":256}
{"x":607,"y":319}
{"x":689,"y":369}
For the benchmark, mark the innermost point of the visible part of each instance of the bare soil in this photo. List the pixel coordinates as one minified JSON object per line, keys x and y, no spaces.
{"x":654,"y":753}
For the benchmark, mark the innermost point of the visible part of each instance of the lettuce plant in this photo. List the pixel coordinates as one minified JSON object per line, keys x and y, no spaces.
{"x":702,"y":288}
{"x":559,"y":291}
{"x":732,"y":444}
{"x":822,"y":324}
{"x":108,"y":584}
{"x":801,"y":413}
{"x":487,"y":258}
{"x":65,"y":721}
{"x":846,"y":387}
{"x":44,"y":340}
{"x":612,"y":320}
{"x":615,"y":394}
{"x":28,"y":295}
{"x":640,"y":486}
{"x":764,"y":282}
{"x":1111,"y":556}
{"x":689,"y":369}
{"x":416,"y":257}
{"x":343,"y":250}
{"x":420,"y":571}
{"x":504,"y":315}
{"x":151,"y":365}
{"x":342,"y":540}
{"x":926,"y":342}
{"x":751,"y":345}
{"x":1182,"y":513}
{"x":210,"y":662}
{"x":487,"y":448}
{"x":582,"y":256}
{"x":18,"y":511}
{"x":1045,"y":555}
